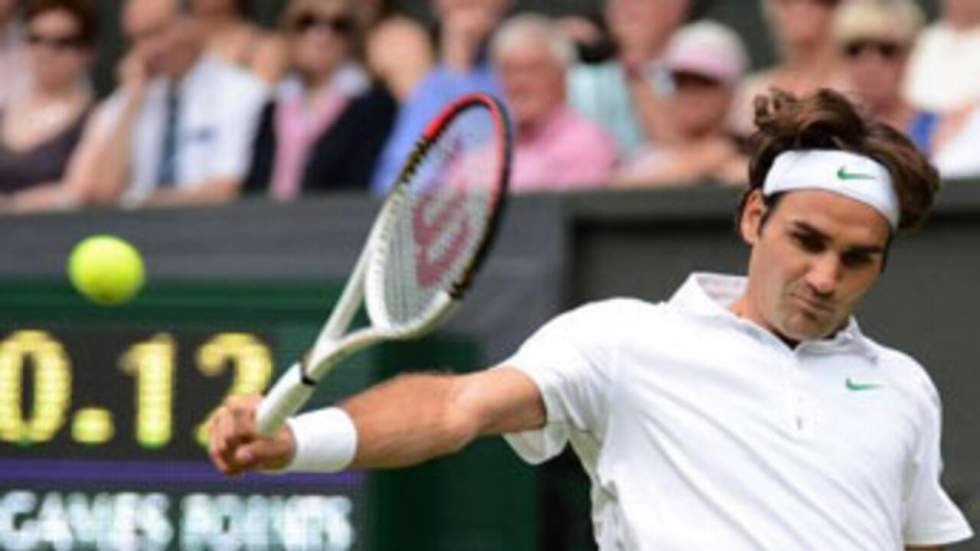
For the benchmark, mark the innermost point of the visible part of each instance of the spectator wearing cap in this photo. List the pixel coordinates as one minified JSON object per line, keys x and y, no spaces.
{"x":624,"y":95}
{"x":465,"y":28}
{"x":706,"y":61}
{"x":179,"y":129}
{"x":41,"y":127}
{"x":13,"y":59}
{"x":555,"y":148}
{"x":809,"y":61}
{"x":944,"y":70}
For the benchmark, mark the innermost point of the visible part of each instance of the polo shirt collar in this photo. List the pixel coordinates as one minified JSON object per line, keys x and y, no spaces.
{"x":710,"y":295}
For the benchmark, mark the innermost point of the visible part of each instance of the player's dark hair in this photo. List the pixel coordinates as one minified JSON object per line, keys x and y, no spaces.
{"x":828,"y":120}
{"x":82,"y":10}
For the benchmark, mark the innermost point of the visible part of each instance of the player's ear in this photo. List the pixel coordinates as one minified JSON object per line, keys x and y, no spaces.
{"x":753,"y":213}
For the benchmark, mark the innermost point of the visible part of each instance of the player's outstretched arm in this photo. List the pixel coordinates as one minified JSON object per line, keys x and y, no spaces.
{"x":400,"y":422}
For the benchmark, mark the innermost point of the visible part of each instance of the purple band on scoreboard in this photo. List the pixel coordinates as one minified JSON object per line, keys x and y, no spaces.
{"x":153,"y":472}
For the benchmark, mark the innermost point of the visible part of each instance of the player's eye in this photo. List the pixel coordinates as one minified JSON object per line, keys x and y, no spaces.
{"x":808,"y":242}
{"x":857,"y":259}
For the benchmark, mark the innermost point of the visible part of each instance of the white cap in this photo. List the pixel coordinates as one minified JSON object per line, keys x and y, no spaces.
{"x":707,"y":48}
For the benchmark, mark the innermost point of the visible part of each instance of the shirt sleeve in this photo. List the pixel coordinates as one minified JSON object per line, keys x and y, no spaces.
{"x":572,"y":370}
{"x":931,"y":517}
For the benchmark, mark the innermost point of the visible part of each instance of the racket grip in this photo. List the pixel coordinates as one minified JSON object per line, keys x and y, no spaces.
{"x":286,"y":397}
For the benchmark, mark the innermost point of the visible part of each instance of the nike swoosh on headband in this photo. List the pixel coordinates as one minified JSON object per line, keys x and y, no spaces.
{"x":843,"y":174}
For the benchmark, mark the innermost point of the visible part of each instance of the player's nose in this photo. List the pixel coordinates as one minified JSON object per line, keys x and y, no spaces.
{"x":824,"y":274}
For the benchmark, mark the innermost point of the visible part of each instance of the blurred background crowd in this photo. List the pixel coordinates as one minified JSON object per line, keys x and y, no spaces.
{"x":206,"y":105}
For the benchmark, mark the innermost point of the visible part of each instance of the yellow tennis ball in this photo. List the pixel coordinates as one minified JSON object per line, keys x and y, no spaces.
{"x":106,"y":269}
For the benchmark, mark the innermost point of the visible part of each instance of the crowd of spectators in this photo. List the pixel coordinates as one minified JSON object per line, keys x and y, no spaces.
{"x":209,"y":105}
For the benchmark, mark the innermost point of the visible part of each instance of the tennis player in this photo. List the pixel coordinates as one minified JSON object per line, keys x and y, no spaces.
{"x":743,"y":414}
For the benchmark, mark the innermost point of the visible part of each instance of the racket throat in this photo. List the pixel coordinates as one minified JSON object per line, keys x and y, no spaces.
{"x":304,"y":377}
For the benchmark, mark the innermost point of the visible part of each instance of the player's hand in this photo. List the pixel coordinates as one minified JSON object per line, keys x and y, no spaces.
{"x":236,"y":447}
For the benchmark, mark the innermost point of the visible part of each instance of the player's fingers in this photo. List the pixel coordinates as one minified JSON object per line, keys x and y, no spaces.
{"x":263,"y":454}
{"x":220,"y":441}
{"x":216,"y":431}
{"x":228,"y":439}
{"x":250,"y":456}
{"x":243,"y":404}
{"x":242,"y":408}
{"x":219,"y":462}
{"x":236,"y":429}
{"x":217,"y":444}
{"x":230,"y":442}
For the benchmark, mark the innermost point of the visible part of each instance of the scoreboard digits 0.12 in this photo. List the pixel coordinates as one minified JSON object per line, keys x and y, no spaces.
{"x":103,"y":439}
{"x":36,"y":363}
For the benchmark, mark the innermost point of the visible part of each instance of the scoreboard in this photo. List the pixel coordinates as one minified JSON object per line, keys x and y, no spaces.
{"x":104,"y":447}
{"x":103,"y":426}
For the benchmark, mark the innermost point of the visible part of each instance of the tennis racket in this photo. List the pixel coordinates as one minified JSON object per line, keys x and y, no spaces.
{"x":429,"y":238}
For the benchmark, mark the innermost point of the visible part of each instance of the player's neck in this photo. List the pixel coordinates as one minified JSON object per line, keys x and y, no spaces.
{"x":743,"y":309}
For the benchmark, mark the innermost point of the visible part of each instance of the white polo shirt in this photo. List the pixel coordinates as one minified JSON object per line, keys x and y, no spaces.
{"x":220,"y":106}
{"x":700,"y":430}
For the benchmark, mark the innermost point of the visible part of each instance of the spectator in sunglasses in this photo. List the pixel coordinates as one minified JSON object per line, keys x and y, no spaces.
{"x":944,"y":70}
{"x":40,"y":129}
{"x":232,"y":37}
{"x":874,"y":38}
{"x":329,"y":119}
{"x":12,"y":58}
{"x":179,"y":128}
{"x":705,"y":61}
{"x":809,"y":60}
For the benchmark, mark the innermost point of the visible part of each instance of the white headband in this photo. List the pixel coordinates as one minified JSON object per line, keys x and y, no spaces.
{"x":849,"y":174}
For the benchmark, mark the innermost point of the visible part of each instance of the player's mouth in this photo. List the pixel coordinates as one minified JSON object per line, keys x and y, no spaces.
{"x":814,"y":306}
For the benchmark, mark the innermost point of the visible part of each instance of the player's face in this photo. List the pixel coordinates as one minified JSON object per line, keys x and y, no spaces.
{"x":814,"y":259}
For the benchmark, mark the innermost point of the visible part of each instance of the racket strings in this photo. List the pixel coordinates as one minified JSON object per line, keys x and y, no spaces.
{"x":441,"y":216}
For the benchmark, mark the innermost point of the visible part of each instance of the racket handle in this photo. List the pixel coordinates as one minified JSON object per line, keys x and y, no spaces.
{"x":286,"y":397}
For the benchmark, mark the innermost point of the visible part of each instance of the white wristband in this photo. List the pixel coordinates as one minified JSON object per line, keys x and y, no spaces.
{"x":326,"y":441}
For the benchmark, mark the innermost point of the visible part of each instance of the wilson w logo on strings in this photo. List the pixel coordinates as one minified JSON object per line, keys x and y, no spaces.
{"x":441,"y":230}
